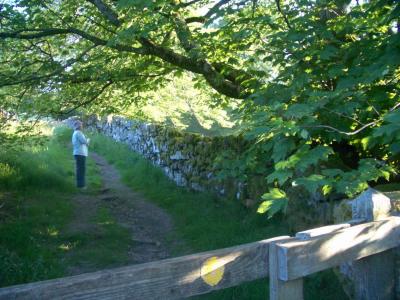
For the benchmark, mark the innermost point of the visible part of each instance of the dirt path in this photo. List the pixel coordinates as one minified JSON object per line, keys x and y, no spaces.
{"x":149,"y":225}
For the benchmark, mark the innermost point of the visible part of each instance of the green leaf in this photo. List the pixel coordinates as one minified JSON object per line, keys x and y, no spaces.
{"x":328,"y":53}
{"x":393,"y":117}
{"x":282,"y":148}
{"x":305,"y":158}
{"x":281,"y":175}
{"x":366,"y":142}
{"x":326,"y":189}
{"x":299,"y":111}
{"x":304,"y":134}
{"x":275,"y":201}
{"x":315,"y":155}
{"x":395,"y":148}
{"x":332,"y":172}
{"x":389,"y":131}
{"x":312,"y":183}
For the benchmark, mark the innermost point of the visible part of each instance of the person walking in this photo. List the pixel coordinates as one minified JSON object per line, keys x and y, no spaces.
{"x":80,"y":151}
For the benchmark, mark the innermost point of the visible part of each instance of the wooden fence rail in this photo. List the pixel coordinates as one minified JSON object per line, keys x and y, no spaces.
{"x":301,"y":258}
{"x":285,"y":260}
{"x":174,"y":278}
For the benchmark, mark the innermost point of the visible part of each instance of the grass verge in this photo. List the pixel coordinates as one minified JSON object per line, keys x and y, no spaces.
{"x":36,"y":207}
{"x":34,"y":188}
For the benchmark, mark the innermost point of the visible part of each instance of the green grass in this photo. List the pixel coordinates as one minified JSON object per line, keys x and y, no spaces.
{"x":29,"y":238}
{"x":115,"y":239}
{"x":36,"y":187}
{"x":206,"y":222}
{"x":105,"y":246}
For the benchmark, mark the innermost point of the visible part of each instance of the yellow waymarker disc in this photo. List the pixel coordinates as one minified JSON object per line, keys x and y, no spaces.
{"x":212,"y":271}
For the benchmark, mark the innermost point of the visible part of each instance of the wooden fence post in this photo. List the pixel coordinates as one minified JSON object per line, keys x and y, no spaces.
{"x":279,"y":289}
{"x":374,"y":276}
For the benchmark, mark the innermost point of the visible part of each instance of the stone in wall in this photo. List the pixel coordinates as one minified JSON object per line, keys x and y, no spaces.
{"x":178,"y":156}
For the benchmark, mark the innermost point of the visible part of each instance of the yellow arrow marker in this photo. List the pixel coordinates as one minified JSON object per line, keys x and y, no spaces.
{"x":212,"y":271}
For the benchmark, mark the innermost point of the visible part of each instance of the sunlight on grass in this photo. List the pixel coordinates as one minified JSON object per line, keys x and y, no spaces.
{"x":6,"y":171}
{"x":66,"y":247}
{"x":35,"y":183}
{"x":51,"y":231}
{"x":106,"y":223}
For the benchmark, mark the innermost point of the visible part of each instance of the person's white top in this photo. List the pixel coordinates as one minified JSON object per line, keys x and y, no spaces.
{"x":79,"y":143}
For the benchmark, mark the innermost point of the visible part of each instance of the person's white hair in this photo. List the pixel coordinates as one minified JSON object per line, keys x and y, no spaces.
{"x":77,"y":124}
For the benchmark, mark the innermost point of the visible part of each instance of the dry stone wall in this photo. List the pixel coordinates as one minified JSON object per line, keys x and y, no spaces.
{"x":188,"y":159}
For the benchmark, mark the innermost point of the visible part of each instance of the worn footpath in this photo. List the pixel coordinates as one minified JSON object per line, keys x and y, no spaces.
{"x":151,"y":227}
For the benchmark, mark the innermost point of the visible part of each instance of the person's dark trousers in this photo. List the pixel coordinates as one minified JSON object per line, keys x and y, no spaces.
{"x":80,"y":170}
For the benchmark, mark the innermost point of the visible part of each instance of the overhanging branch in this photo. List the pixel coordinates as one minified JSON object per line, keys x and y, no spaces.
{"x":215,"y":8}
{"x":28,"y":34}
{"x":219,"y":82}
{"x":195,"y":20}
{"x":348,"y":133}
{"x":107,"y":12}
{"x":35,"y":78}
{"x":216,"y":80}
{"x":278,"y":6}
{"x":127,"y":75}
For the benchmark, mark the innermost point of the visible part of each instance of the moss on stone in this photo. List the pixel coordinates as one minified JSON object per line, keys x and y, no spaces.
{"x":342,"y":211}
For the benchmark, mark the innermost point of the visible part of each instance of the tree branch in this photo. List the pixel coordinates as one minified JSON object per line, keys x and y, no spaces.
{"x":185,"y":38}
{"x":37,"y":33}
{"x":28,"y":34}
{"x":107,"y":12}
{"x":195,"y":20}
{"x":216,"y":80}
{"x":344,"y":116}
{"x":395,"y":107}
{"x":189,"y":3}
{"x":37,"y":46}
{"x":128,"y":75}
{"x":344,"y":132}
{"x":102,"y":26}
{"x":350,"y":133}
{"x":215,"y":8}
{"x":34,"y":78}
{"x":278,"y":5}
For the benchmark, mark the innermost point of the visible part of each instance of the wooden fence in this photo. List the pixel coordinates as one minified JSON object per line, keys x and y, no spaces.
{"x":283,"y":259}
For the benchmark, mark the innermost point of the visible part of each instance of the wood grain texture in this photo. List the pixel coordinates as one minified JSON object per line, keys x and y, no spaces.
{"x":174,"y":278}
{"x":279,"y":289}
{"x":375,"y":278}
{"x":301,"y":258}
{"x":308,"y":234}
